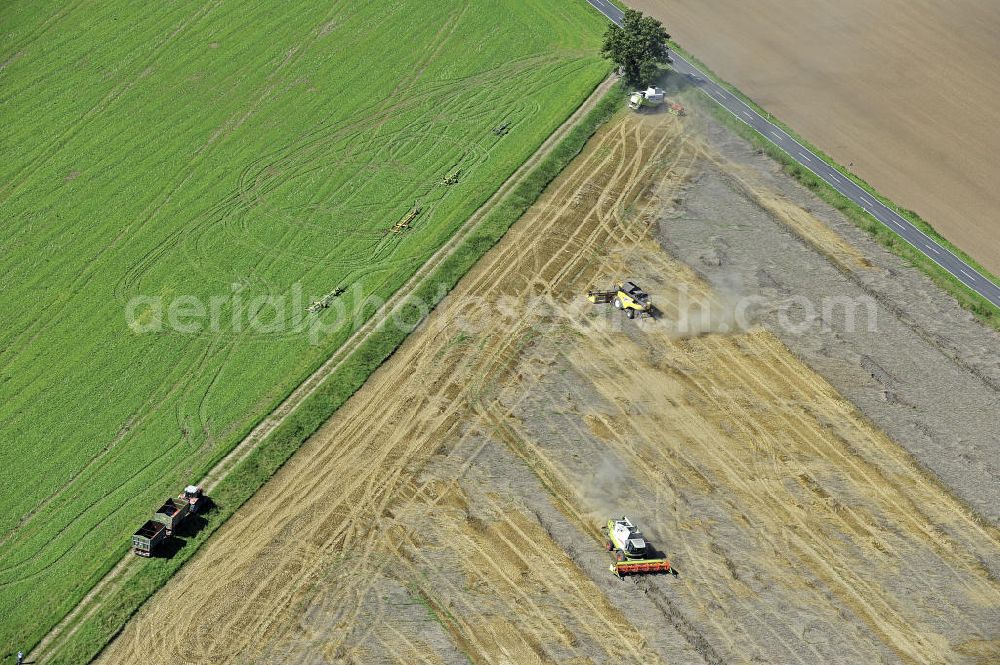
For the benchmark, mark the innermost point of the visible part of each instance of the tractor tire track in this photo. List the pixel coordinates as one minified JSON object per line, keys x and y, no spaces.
{"x":92,"y":602}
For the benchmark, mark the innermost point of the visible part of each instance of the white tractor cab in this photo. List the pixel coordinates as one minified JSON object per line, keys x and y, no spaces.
{"x":648,"y":97}
{"x":193,"y":494}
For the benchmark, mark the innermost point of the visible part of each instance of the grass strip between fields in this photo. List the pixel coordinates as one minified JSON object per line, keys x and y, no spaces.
{"x":238,"y":486}
{"x":983,"y":309}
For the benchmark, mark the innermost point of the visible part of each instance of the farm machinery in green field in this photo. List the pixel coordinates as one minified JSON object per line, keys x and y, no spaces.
{"x":173,"y":512}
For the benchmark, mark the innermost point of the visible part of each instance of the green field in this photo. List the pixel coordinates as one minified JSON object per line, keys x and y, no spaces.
{"x":238,"y":159}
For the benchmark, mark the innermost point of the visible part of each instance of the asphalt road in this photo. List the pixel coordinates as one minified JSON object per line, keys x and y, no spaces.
{"x":940,"y":255}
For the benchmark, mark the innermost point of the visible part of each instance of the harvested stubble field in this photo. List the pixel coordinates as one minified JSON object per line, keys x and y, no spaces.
{"x":903,"y":91}
{"x":241,"y":161}
{"x":449,"y":512}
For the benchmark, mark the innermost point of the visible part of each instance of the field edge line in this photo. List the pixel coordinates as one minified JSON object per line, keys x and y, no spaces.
{"x":88,"y":628}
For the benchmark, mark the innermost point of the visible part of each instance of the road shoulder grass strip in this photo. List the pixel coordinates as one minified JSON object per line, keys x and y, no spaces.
{"x":96,"y":631}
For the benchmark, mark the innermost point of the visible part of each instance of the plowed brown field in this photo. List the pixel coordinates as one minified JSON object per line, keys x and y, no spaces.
{"x":450,"y":512}
{"x":903,"y":91}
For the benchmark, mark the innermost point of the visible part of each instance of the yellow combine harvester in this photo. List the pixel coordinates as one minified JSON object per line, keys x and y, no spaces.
{"x":633,"y":555}
{"x":625,"y":296}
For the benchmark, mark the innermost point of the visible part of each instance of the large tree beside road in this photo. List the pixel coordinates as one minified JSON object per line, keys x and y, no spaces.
{"x":638,"y":46}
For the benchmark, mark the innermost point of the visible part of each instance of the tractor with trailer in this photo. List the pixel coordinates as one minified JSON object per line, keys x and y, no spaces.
{"x":632,"y":554}
{"x":626,"y":296}
{"x":172,"y":513}
{"x":148,"y":538}
{"x":165,"y":521}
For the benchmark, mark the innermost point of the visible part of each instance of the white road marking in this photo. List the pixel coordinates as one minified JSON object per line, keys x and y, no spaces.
{"x":804,"y":156}
{"x":775,"y":134}
{"x":934,"y":249}
{"x":747,"y":115}
{"x":971,"y":277}
{"x":835,"y":177}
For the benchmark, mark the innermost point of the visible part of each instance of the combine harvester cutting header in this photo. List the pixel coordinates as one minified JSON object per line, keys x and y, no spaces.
{"x":633,"y":555}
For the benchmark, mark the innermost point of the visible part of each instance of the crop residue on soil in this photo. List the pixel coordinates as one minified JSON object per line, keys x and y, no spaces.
{"x":450,"y":512}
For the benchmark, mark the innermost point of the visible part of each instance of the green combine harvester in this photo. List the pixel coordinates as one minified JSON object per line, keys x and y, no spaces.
{"x":633,"y":555}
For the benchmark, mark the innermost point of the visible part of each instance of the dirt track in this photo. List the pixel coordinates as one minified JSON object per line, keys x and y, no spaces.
{"x":904,"y":90}
{"x":450,"y":511}
{"x":120,"y":573}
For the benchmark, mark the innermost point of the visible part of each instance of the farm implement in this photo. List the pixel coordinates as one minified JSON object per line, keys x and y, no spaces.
{"x":625,"y":296}
{"x":171,"y":514}
{"x":650,"y":97}
{"x":654,"y":98}
{"x":404,"y":224}
{"x":326,"y":300}
{"x":451,"y":179}
{"x":632,"y":554}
